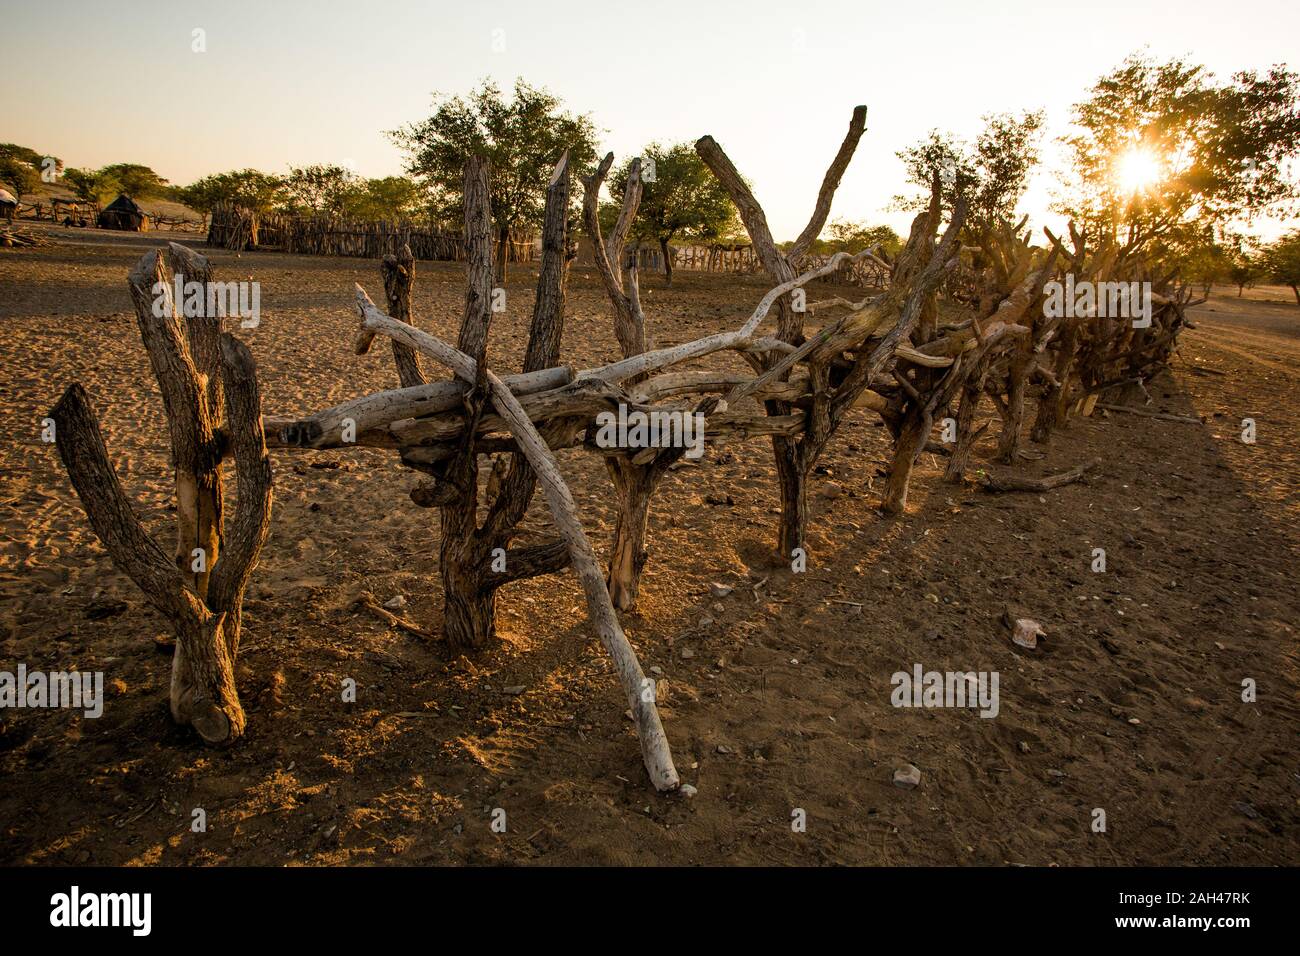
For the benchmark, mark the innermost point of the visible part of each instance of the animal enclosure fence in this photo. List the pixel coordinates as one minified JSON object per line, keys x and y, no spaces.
{"x":236,"y":228}
{"x":741,"y":259}
{"x":894,"y":354}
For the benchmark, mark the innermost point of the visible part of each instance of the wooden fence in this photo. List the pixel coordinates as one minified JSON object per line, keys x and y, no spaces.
{"x":239,"y":229}
{"x":742,"y":259}
{"x":86,"y":213}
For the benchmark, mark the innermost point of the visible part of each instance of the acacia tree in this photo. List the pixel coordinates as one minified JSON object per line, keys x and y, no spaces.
{"x":990,"y":174}
{"x":321,"y":188}
{"x":1215,"y":151}
{"x":1203,"y":258}
{"x":1282,"y":261}
{"x":20,"y":168}
{"x":522,"y":137}
{"x":680,"y":199}
{"x":102,"y":185}
{"x":849,"y":236}
{"x":389,"y":197}
{"x":1244,"y":269}
{"x":249,"y":188}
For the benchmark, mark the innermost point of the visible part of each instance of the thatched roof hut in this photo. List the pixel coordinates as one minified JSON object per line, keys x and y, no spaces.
{"x":124,"y":213}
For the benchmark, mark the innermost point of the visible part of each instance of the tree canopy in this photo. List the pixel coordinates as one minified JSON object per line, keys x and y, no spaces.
{"x":1162,"y":150}
{"x":21,"y":168}
{"x":847,"y":236}
{"x":523,"y":136}
{"x":389,"y":197}
{"x":1282,"y":261}
{"x":250,"y":188}
{"x":680,"y":199}
{"x":991,"y":174}
{"x":103,"y":185}
{"x":311,"y":190}
{"x":319,"y":189}
{"x":17,"y":176}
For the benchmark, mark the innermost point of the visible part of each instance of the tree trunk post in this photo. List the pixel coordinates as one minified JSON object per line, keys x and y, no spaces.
{"x":633,"y":487}
{"x":502,"y":255}
{"x":907,"y":449}
{"x":667,"y":253}
{"x":204,"y":609}
{"x":972,"y":392}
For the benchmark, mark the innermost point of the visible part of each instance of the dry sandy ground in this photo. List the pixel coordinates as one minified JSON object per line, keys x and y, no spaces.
{"x":1132,"y":704}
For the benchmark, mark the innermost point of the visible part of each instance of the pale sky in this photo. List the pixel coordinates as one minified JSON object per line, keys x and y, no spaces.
{"x":774,"y":81}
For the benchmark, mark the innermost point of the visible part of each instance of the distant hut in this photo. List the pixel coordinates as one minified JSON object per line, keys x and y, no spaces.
{"x":124,"y":213}
{"x":8,"y":205}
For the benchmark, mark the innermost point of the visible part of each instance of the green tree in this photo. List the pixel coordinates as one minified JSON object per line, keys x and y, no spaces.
{"x":1163,"y":150}
{"x":1244,"y":269}
{"x":318,"y":189}
{"x":842,"y":235}
{"x":249,"y":188}
{"x":855,"y":236}
{"x":1282,"y":261}
{"x":103,"y":185}
{"x":137,"y":181}
{"x":390,"y":197}
{"x":22,"y":153}
{"x":680,"y":199}
{"x":1201,"y":258}
{"x":22,"y":168}
{"x":990,"y":174}
{"x":84,"y":182}
{"x":523,"y":137}
{"x":18,"y":176}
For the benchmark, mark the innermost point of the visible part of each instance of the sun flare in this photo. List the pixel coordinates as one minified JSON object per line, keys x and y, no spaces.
{"x":1138,"y":170}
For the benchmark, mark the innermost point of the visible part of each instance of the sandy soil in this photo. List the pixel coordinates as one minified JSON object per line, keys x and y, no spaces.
{"x":778,"y":697}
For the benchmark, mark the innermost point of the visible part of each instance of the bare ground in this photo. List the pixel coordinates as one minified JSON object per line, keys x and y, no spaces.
{"x":1132,"y":704}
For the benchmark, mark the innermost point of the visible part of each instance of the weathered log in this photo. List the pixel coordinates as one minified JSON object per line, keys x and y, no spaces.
{"x":618,"y":277}
{"x":1005,"y":483}
{"x":203,"y":331}
{"x":740,"y":340}
{"x":379,"y":410}
{"x":1162,"y":416}
{"x":635,"y":476}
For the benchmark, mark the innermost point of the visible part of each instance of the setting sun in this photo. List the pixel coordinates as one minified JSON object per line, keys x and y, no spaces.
{"x":1137,"y":170}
